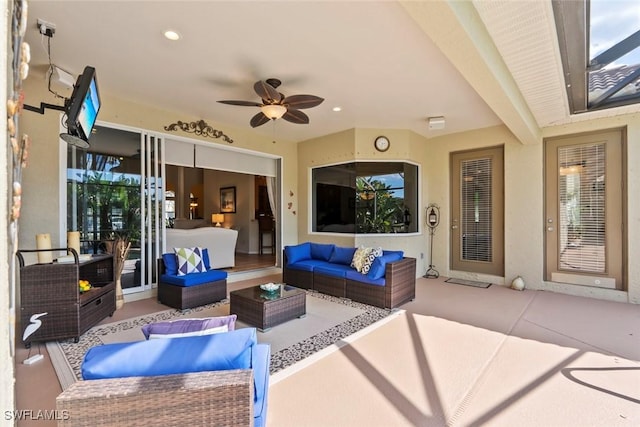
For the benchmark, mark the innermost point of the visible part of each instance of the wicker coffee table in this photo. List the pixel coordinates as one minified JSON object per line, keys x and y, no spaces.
{"x":267,"y":309}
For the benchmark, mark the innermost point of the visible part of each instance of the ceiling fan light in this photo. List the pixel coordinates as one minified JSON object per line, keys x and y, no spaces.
{"x":273,"y":111}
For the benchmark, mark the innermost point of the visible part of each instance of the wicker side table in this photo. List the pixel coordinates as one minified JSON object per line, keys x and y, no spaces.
{"x":267,"y":309}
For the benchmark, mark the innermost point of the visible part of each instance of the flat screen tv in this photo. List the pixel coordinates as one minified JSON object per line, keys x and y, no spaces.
{"x":83,"y":107}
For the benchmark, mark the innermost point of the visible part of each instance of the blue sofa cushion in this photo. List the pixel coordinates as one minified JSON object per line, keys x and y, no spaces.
{"x":359,"y":277}
{"x":261,"y":359}
{"x":171,"y":262}
{"x":194,"y":279}
{"x":334,"y":270}
{"x":297,"y":253}
{"x":342,"y":255}
{"x":231,"y":350}
{"x":379,"y":264}
{"x":307,"y":265}
{"x":322,"y":251}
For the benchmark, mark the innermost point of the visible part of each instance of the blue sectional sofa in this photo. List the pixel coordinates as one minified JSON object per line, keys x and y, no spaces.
{"x":189,"y":290}
{"x":220,"y":379}
{"x":326,"y":268}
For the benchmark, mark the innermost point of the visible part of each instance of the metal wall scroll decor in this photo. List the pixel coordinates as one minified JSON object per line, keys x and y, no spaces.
{"x":200,"y":128}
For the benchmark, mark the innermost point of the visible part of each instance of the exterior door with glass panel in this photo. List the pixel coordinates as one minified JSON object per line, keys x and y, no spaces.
{"x":584,"y":209}
{"x":477,"y":211}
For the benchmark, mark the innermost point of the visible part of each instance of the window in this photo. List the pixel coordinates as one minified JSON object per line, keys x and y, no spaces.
{"x":365,"y":197}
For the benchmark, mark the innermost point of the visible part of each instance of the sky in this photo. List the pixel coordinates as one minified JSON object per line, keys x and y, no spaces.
{"x":611,"y":22}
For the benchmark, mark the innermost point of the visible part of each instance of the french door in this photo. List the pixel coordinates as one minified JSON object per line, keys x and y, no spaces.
{"x":477,"y":211}
{"x":584,"y":209}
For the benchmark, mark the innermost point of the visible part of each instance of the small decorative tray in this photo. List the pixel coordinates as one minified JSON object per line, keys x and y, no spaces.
{"x":270,"y":287}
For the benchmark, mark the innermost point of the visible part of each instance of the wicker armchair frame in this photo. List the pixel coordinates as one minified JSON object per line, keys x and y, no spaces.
{"x":185,"y":297}
{"x":216,"y":398}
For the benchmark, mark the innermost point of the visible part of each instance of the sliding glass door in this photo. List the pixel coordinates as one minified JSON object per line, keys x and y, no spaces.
{"x":114,"y":188}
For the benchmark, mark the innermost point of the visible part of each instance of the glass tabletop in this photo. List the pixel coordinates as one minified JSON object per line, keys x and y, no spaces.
{"x":256,"y":293}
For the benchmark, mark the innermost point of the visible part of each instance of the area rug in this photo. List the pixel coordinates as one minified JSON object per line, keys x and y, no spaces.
{"x":328,"y":321}
{"x":468,"y":283}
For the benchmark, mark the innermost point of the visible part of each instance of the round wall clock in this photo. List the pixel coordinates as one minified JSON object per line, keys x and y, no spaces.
{"x":381,"y":143}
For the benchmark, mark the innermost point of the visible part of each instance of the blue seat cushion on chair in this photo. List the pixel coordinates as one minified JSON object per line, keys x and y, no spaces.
{"x":359,"y":277}
{"x":194,"y":279}
{"x":322,"y":251}
{"x":261,"y":359}
{"x":341,"y":255}
{"x":219,"y":352}
{"x":333,"y":270}
{"x":379,"y":265}
{"x":307,"y":265}
{"x":297,"y":253}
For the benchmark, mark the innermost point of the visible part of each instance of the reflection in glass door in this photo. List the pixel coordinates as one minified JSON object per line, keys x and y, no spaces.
{"x":115,"y":188}
{"x":103,"y":196}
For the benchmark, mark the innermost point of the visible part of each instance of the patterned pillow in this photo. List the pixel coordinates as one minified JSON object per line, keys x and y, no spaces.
{"x":189,"y":260}
{"x":373,"y":254}
{"x":359,"y":258}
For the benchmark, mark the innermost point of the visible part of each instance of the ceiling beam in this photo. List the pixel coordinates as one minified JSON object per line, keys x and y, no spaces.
{"x":458,"y":31}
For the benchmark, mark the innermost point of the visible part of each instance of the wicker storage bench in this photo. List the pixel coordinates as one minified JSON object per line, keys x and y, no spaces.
{"x":215,"y":398}
{"x":184,"y":297}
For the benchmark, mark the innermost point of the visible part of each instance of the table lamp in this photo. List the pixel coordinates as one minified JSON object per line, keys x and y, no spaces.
{"x":217,"y":219}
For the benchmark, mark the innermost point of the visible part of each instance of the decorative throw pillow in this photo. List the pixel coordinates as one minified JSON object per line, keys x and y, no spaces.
{"x":190,"y":327}
{"x":189,"y":261}
{"x":359,"y":257}
{"x":373,"y":254}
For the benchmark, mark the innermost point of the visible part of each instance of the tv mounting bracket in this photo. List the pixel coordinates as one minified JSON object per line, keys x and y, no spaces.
{"x":44,"y":105}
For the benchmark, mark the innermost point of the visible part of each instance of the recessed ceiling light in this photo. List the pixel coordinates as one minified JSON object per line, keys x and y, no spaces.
{"x":336,"y":109}
{"x":172,"y":35}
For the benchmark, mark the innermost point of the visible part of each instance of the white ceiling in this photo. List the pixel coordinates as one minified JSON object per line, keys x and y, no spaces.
{"x":370,"y":58}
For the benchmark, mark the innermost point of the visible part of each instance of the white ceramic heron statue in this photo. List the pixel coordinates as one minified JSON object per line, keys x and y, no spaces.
{"x":34,"y":325}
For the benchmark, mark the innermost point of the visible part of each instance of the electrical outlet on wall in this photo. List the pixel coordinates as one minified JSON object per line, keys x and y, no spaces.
{"x":46,"y":28}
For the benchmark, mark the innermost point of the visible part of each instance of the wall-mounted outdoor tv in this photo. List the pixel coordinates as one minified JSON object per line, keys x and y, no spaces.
{"x":82,"y":112}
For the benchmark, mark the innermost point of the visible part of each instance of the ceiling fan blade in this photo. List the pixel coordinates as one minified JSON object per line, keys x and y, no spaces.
{"x":299,"y":102}
{"x":295,"y":116}
{"x":266,"y":91}
{"x":241,"y":103}
{"x":258,"y":120}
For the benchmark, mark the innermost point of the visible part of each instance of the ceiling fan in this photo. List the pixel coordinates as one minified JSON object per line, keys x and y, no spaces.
{"x":275,"y":105}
